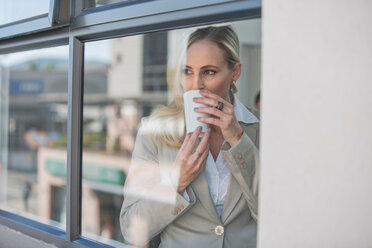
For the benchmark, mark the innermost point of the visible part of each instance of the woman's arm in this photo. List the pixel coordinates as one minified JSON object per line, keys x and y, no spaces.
{"x":243,"y":160}
{"x":240,"y":152}
{"x":151,"y":200}
{"x":150,"y":204}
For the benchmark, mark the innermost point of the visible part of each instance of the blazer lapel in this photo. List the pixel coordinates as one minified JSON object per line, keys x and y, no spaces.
{"x":201,"y":190}
{"x":234,"y":192}
{"x":232,"y":197}
{"x":249,"y":131}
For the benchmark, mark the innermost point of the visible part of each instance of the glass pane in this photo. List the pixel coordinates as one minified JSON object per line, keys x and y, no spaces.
{"x":126,"y":80}
{"x":33,"y":126}
{"x":12,"y":11}
{"x":98,"y":3}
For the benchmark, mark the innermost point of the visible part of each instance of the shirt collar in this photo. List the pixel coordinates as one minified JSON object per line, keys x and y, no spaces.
{"x":242,"y":113}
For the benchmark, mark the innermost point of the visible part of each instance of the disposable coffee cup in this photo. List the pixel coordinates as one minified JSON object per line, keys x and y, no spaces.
{"x":190,"y":115}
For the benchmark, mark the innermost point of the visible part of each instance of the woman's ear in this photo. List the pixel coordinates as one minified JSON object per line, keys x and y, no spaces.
{"x":236,"y":71}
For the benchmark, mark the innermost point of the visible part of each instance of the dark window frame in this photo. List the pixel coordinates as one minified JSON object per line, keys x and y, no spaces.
{"x":58,"y":16}
{"x":106,"y":22}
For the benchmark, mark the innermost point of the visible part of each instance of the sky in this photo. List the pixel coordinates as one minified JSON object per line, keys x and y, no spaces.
{"x":97,"y":51}
{"x":13,"y":10}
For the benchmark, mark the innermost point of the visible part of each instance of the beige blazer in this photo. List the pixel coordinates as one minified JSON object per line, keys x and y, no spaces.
{"x":195,"y":223}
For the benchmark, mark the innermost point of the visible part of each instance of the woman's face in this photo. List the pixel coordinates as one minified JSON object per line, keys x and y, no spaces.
{"x":206,"y":68}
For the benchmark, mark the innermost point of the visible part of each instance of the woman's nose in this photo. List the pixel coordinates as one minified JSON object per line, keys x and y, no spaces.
{"x":197,"y":83}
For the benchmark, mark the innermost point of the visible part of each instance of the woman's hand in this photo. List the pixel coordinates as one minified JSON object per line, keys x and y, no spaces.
{"x":192,"y":163}
{"x":224,"y":119}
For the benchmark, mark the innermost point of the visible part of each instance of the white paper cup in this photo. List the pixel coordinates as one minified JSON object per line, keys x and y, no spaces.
{"x":190,"y":115}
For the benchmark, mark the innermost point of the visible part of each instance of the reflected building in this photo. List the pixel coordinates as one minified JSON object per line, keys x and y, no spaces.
{"x":38,"y":104}
{"x":116,"y":96}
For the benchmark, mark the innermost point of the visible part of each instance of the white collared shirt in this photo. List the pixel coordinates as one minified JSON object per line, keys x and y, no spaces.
{"x":218,"y":177}
{"x":218,"y":172}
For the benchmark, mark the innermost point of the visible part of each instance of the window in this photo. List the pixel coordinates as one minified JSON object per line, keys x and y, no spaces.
{"x":155,"y":61}
{"x":70,"y":115}
{"x":11,"y":11}
{"x":25,"y":17}
{"x":34,"y":128}
{"x":99,"y":3}
{"x":118,"y":93}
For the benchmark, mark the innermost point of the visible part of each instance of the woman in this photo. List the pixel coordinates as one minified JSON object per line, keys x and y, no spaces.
{"x":213,"y":180}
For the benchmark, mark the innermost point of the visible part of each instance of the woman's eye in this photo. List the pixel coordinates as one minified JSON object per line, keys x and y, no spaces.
{"x":186,"y":71}
{"x":210,"y":72}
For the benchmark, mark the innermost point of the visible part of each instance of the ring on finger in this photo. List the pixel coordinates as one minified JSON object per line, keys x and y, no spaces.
{"x":220,"y":105}
{"x":198,"y":154}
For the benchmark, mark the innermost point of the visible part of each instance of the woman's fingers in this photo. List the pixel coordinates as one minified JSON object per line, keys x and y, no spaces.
{"x":213,"y":121}
{"x":192,"y":164}
{"x":190,"y":145}
{"x":200,"y":161}
{"x":201,"y":152}
{"x":185,"y":142}
{"x":214,"y":111}
{"x":205,"y":155}
{"x":212,"y":99}
{"x":202,"y":147}
{"x":209,"y":101}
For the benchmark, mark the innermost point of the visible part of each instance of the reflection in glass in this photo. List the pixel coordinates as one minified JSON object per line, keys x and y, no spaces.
{"x":33,"y":128}
{"x":12,"y":11}
{"x":98,"y":3}
{"x":126,"y":80}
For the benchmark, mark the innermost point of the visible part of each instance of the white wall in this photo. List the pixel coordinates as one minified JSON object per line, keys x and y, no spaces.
{"x":316,"y":136}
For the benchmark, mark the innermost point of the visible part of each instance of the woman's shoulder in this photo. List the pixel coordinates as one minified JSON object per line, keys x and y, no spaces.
{"x":165,"y":131}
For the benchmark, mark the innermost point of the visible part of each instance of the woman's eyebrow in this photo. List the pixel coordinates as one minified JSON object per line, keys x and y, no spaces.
{"x":210,"y":66}
{"x":203,"y":67}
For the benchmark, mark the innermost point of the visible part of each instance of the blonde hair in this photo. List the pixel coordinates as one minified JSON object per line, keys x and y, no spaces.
{"x":168,"y":122}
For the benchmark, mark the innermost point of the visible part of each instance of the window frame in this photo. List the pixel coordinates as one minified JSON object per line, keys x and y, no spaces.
{"x":58,"y":16}
{"x":117,"y":20}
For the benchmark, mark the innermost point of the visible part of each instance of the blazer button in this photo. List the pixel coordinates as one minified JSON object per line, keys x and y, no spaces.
{"x":239,"y":156}
{"x":243,"y":165}
{"x":219,"y":230}
{"x":176,"y":210}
